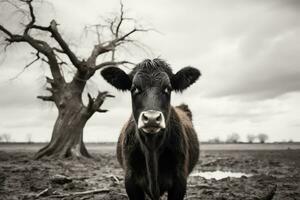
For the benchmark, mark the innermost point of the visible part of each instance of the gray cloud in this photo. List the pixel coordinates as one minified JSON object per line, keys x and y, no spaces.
{"x":272,"y":73}
{"x":262,"y":55}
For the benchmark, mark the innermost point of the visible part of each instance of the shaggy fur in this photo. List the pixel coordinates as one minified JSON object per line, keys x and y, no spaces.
{"x":177,"y":155}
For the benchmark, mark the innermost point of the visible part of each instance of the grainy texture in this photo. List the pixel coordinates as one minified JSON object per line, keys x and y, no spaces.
{"x":24,"y":178}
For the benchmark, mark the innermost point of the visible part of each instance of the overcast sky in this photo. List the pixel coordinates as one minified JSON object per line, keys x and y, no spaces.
{"x":247,"y":51}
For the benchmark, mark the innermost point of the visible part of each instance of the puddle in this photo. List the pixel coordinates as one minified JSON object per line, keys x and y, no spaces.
{"x":220,"y":174}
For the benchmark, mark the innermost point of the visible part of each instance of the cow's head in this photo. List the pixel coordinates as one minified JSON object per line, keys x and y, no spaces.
{"x":151,"y":83}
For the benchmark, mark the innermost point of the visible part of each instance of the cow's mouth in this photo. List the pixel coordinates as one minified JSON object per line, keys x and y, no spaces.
{"x":151,"y":130}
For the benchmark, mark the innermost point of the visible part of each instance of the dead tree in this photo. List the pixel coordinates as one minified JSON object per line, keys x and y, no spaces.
{"x":233,"y":138}
{"x":251,"y":138}
{"x":73,"y":114}
{"x":262,"y":137}
{"x":5,"y":137}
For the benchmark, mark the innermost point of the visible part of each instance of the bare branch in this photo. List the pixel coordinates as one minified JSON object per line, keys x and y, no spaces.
{"x":94,"y":104}
{"x":111,"y":63}
{"x":121,"y":19}
{"x":101,"y":111}
{"x":111,"y":27}
{"x":98,"y":34}
{"x":119,"y":39}
{"x":44,"y":48}
{"x":114,"y":26}
{"x":98,"y":50}
{"x":75,"y":194}
{"x":32,"y":16}
{"x":51,"y":82}
{"x":100,"y":99}
{"x":108,"y":46}
{"x":6,"y":31}
{"x":26,"y":66}
{"x":36,"y":59}
{"x":41,"y":46}
{"x":40,"y":194}
{"x":86,"y":68}
{"x":46,"y":98}
{"x":62,"y":43}
{"x":50,"y":89}
{"x":90,"y":103}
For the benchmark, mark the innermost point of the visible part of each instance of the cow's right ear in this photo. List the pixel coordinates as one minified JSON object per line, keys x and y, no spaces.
{"x":117,"y":78}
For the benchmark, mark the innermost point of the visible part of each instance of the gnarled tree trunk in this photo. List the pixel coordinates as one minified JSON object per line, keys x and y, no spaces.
{"x":67,"y":135}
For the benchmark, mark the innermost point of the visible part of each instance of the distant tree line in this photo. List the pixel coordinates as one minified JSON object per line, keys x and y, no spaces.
{"x":235,"y":138}
{"x":5,"y":137}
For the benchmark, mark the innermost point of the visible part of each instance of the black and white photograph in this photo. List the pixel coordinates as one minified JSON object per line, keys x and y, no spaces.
{"x":149,"y":100}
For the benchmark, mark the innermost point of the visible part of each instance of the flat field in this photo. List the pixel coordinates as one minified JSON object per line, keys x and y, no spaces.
{"x":274,"y":170}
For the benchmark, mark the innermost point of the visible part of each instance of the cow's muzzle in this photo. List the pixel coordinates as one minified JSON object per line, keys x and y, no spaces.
{"x":151,"y":121}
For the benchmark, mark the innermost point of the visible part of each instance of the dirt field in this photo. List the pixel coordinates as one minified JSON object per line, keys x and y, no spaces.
{"x":275,"y":174}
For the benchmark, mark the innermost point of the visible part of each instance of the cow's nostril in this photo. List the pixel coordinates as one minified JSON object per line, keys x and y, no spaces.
{"x":158,"y":119}
{"x":145,"y":118}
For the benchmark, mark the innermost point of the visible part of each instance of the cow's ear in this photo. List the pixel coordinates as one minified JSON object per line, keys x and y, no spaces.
{"x":117,"y":78}
{"x":184,"y":78}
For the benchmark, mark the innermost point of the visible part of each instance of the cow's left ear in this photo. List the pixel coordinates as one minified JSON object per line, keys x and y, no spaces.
{"x":117,"y":78}
{"x":184,"y":78}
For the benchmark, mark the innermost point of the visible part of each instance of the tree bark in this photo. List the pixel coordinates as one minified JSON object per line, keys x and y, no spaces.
{"x":67,"y":134}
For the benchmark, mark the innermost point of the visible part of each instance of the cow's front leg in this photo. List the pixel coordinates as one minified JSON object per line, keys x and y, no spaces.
{"x":134,"y":191}
{"x":178,"y":189}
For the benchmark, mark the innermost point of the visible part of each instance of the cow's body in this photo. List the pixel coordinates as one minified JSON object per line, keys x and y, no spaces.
{"x":176,"y":156}
{"x":158,"y":146}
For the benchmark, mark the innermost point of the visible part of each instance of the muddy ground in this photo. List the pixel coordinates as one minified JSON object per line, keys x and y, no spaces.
{"x":276,"y":175}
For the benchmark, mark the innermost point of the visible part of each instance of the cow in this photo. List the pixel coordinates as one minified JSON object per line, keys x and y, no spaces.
{"x":158,"y":146}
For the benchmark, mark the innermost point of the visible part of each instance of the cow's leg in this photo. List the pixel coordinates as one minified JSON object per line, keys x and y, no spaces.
{"x":133,"y":190}
{"x":178,"y":190}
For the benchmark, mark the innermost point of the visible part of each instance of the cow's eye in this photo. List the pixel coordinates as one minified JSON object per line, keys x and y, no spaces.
{"x":167,"y":90}
{"x":135,"y":90}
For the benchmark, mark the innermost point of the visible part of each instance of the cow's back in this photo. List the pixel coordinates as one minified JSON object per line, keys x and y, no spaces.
{"x":189,"y":133}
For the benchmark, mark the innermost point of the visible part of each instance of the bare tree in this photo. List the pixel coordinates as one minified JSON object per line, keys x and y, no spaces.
{"x":73,"y":114}
{"x":233,"y":138}
{"x":251,"y":138}
{"x":262,"y":137}
{"x":215,"y":140}
{"x":6,"y":137}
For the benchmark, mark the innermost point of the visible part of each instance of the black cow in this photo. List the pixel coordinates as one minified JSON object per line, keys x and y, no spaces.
{"x":158,"y":146}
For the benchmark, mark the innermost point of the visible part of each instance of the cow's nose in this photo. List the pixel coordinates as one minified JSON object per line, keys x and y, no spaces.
{"x":151,"y":121}
{"x":151,"y":118}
